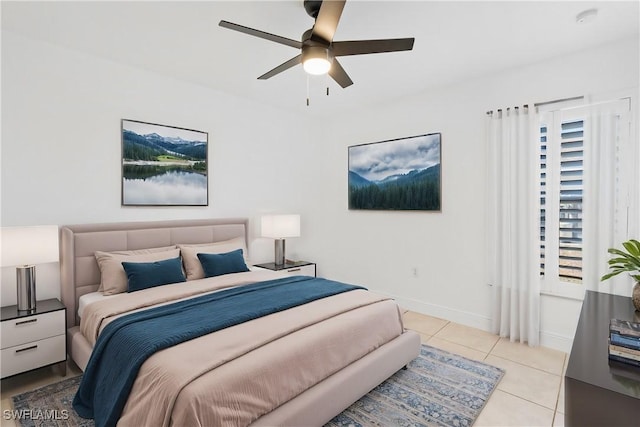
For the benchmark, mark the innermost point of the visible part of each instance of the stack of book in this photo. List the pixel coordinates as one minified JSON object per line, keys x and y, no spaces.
{"x":624,"y":341}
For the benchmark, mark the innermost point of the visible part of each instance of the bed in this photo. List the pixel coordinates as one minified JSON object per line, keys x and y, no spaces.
{"x":300,"y":366}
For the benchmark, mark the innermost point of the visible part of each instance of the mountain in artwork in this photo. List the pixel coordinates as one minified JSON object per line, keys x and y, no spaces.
{"x":152,"y":145}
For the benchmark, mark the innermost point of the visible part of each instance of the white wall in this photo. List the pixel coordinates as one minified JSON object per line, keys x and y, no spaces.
{"x":381,"y":249}
{"x":61,"y":114}
{"x":61,"y":147}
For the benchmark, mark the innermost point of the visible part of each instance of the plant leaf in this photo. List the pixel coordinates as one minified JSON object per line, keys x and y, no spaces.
{"x":618,"y":260}
{"x":630,"y":258}
{"x":631,"y":248}
{"x":624,"y":261}
{"x":610,"y":275}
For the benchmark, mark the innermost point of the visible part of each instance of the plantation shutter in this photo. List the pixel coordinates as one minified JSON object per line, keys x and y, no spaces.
{"x":571,"y":192}
{"x":561,"y":197}
{"x":588,"y":193}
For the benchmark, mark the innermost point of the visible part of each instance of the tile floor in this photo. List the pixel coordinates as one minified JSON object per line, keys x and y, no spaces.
{"x":530,"y":394}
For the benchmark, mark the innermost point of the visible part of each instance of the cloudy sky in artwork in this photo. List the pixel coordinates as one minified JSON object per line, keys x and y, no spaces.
{"x":379,"y":160}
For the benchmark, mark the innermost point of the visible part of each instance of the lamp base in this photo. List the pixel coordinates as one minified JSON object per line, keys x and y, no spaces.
{"x":26,"y":287}
{"x":279,"y":251}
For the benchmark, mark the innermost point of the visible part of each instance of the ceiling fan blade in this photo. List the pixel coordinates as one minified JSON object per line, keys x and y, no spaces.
{"x":339,"y":74}
{"x":327,"y":20}
{"x":261,"y":34}
{"x":282,"y":67}
{"x":362,"y":47}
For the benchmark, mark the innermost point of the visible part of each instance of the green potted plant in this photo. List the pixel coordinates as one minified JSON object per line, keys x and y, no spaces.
{"x":628,"y":261}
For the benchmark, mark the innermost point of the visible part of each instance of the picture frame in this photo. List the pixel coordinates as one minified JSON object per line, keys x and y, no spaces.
{"x":163,"y":165}
{"x":400,"y":174}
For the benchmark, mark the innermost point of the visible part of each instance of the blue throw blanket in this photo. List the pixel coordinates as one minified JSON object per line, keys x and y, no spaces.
{"x":128,"y":341}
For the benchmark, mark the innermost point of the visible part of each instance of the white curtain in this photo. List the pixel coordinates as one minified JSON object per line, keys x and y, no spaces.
{"x":606,"y":179}
{"x":513,"y":211}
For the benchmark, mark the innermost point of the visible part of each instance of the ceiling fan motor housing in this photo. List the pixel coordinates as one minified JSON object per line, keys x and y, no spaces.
{"x":318,"y":51}
{"x":312,"y":7}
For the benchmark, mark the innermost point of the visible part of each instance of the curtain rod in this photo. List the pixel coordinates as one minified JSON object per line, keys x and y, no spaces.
{"x":538,"y":104}
{"x":575,"y":98}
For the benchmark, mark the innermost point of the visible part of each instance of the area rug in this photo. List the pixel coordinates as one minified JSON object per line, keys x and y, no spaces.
{"x":438,"y":389}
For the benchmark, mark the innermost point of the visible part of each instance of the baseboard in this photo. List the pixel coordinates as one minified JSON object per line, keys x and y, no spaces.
{"x":547,"y":339}
{"x":466,"y":318}
{"x":556,"y":341}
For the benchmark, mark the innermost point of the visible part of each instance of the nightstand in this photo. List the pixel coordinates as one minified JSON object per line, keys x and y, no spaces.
{"x":34,"y":339}
{"x":297,"y":268}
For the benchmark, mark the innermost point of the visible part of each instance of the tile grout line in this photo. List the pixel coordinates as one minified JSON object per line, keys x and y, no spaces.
{"x":443,"y":326}
{"x":528,"y":366}
{"x":494,"y":345}
{"x":529,"y":401}
{"x":461,"y":345}
{"x":555,"y":412}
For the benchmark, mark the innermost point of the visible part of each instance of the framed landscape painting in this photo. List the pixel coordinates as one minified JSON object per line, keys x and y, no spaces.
{"x":163,"y":165}
{"x":397,"y":174}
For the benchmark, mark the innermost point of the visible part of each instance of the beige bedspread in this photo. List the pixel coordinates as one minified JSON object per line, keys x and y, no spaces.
{"x":235,"y":375}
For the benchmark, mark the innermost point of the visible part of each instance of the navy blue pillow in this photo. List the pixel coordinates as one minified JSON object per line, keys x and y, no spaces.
{"x":143,"y":275}
{"x":226,"y":263}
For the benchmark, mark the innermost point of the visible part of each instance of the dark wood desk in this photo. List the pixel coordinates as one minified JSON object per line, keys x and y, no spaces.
{"x":599,"y":392}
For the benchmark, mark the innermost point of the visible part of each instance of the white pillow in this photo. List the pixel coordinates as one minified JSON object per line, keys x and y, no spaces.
{"x":113,"y":279}
{"x":192,"y":266}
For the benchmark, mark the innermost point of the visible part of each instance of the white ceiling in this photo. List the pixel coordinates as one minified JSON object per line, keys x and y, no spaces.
{"x":454,"y":41}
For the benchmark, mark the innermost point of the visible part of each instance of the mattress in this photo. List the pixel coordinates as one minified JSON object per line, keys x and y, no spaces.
{"x":236,"y":375}
{"x":89,"y":298}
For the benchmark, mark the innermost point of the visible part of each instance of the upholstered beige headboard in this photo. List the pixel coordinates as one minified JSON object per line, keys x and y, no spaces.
{"x":79,"y":272}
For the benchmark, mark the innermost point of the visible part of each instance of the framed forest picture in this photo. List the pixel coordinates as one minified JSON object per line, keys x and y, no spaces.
{"x":398,"y":174}
{"x":163,"y":165}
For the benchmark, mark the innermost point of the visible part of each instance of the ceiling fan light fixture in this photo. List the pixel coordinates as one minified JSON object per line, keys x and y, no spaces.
{"x":316,"y":60}
{"x":317,"y":66}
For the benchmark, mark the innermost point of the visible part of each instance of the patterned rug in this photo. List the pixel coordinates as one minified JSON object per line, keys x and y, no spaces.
{"x":438,"y":389}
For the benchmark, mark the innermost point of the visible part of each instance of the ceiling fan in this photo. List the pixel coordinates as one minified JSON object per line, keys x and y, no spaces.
{"x":318,"y":49}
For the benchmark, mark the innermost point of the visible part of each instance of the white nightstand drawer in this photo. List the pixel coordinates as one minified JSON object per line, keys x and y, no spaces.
{"x":33,"y":355}
{"x":32,"y":328}
{"x":305,"y":270}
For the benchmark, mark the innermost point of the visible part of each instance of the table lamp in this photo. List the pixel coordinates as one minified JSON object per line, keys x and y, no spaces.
{"x":279,"y":227}
{"x":23,"y":247}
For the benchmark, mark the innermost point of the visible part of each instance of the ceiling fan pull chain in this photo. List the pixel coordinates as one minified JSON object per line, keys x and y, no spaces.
{"x":326,"y":81}
{"x":307,"y":90}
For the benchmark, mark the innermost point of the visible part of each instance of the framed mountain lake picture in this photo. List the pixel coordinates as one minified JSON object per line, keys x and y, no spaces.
{"x":398,"y":174}
{"x":163,"y":165}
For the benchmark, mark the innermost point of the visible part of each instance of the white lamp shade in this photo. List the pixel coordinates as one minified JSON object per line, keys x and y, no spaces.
{"x":280,"y":226}
{"x":29,"y":245}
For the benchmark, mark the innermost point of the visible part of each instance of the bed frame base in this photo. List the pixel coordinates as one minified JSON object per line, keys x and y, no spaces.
{"x":322,"y":402}
{"x":78,"y":347}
